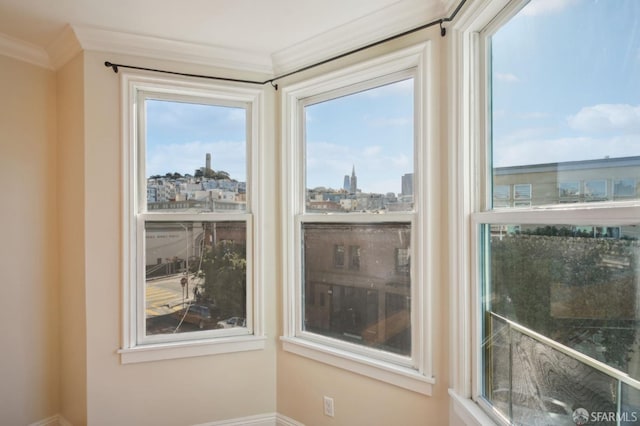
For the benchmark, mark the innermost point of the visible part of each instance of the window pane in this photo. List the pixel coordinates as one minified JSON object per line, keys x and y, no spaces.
{"x":561,"y":122}
{"x":531,"y":383}
{"x":367,"y":301}
{"x":196,"y":157}
{"x":578,"y":286}
{"x":359,"y":151}
{"x":196,"y":275}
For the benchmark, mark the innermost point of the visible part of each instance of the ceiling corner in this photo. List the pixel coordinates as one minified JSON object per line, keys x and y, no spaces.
{"x":95,"y":39}
{"x":64,"y":47}
{"x":387,"y":22}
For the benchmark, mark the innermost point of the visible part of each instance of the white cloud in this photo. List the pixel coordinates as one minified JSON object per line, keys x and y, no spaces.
{"x":507,"y":77}
{"x":183,"y":158}
{"x":377,"y":171}
{"x":621,"y":118}
{"x":546,"y":7}
{"x":389,"y":122}
{"x":534,"y":115}
{"x":372,"y":151}
{"x":400,"y":87}
{"x":521,"y":150}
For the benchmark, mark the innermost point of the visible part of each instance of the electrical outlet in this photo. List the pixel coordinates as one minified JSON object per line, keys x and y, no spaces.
{"x":328,"y":406}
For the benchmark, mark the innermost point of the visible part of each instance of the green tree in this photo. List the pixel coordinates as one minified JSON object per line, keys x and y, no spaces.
{"x":225,"y":273}
{"x":219,"y":175}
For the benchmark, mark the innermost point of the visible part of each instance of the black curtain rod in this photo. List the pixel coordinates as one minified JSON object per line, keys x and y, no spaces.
{"x":443,"y":32}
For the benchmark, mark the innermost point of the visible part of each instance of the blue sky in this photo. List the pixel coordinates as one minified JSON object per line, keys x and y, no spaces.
{"x":371,"y":131}
{"x":566,"y":86}
{"x":179,"y":135}
{"x":566,"y":82}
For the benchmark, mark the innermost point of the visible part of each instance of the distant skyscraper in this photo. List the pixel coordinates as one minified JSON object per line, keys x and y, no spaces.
{"x":347,"y":183}
{"x":208,"y":162}
{"x":407,"y":184}
{"x":353,"y":187}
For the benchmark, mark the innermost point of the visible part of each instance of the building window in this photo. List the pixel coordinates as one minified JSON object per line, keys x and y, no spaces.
{"x":190,"y":269}
{"x":354,"y":257}
{"x":356,"y":180}
{"x":625,"y":188}
{"x":338,"y":256}
{"x":569,"y":190}
{"x":403,"y":260}
{"x":553,"y":289}
{"x":595,"y":190}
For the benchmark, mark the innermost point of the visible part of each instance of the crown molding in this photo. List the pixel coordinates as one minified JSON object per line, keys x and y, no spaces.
{"x":396,"y":18}
{"x":24,"y":51}
{"x":64,"y":47}
{"x":95,"y":39}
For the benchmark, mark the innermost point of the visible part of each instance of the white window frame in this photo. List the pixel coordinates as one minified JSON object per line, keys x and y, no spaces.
{"x":415,"y":372}
{"x":470,"y":180}
{"x":135,"y":346}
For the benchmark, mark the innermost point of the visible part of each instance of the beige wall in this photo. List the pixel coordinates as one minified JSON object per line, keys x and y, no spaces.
{"x":172,"y":392}
{"x":28,"y":253}
{"x":71,"y":180}
{"x":81,"y":179}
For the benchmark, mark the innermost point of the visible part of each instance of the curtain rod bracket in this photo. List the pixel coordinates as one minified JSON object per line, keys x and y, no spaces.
{"x":274,"y":85}
{"x":443,"y":30}
{"x":114,"y":67}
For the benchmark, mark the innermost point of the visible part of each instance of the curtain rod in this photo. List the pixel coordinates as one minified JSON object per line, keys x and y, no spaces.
{"x":440,"y":22}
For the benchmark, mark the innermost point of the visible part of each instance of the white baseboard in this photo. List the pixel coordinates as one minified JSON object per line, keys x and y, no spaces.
{"x":56,"y":420}
{"x":273,"y":419}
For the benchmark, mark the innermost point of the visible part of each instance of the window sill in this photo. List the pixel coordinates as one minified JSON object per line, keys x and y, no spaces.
{"x":186,"y":349}
{"x":397,"y":375}
{"x":468,"y":411}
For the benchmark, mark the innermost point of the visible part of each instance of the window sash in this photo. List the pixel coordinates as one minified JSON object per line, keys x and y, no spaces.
{"x":143,"y":94}
{"x":140,"y":302}
{"x":416,"y":374}
{"x":481,"y":211}
{"x":397,"y":217}
{"x":135,"y":346}
{"x":416,"y":293}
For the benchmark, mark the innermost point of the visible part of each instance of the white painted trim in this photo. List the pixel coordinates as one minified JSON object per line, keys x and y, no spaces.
{"x":134,"y":346}
{"x":468,"y":411}
{"x":171,"y":50}
{"x":404,"y":377}
{"x":272,"y":419}
{"x":64,"y":48}
{"x":282,"y":420}
{"x":397,"y":17}
{"x":415,"y":372}
{"x":463,"y":153}
{"x":187,"y":349}
{"x":56,"y":420}
{"x":24,"y":51}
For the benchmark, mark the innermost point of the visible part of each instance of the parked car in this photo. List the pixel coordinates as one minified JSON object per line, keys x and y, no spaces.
{"x":232,"y":322}
{"x":195,"y":314}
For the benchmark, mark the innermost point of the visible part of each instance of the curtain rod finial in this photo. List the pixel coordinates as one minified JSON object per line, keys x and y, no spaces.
{"x":114,"y":67}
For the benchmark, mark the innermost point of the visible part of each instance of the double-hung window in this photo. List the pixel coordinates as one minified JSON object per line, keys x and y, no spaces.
{"x":356,"y":175}
{"x":190,"y":218}
{"x":554,"y":101}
